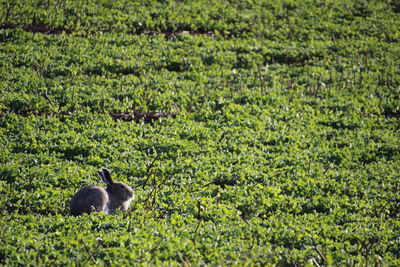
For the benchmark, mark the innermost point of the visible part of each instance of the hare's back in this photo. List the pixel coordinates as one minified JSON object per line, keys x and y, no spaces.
{"x":89,"y":199}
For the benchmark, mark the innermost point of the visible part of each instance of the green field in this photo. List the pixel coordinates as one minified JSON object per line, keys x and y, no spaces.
{"x":279,"y":141}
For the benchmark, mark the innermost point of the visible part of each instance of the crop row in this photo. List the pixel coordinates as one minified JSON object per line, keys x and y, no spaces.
{"x":107,"y":72}
{"x":276,"y":20}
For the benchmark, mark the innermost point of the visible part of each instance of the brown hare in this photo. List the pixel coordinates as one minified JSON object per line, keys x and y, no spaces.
{"x":96,"y":198}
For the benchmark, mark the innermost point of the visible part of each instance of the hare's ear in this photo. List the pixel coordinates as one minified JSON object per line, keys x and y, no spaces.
{"x":100,"y":173}
{"x":106,"y":176}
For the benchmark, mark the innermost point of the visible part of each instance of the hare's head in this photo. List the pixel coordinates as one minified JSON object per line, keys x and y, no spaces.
{"x":118,"y":189}
{"x":121,"y":190}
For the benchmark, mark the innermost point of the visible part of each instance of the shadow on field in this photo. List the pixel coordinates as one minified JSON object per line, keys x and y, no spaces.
{"x":39,"y":28}
{"x":135,"y":115}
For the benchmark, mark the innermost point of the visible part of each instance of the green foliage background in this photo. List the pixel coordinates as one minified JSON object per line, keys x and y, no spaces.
{"x":286,"y":149}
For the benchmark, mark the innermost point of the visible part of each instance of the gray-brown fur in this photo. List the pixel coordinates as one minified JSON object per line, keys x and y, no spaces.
{"x":96,"y":198}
